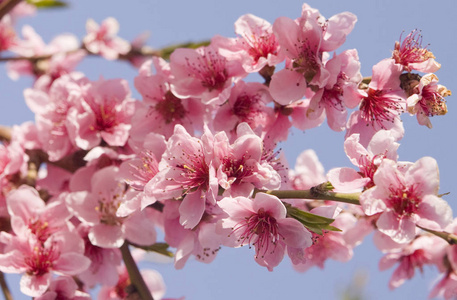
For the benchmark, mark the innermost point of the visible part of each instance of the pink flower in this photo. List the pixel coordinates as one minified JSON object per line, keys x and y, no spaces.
{"x":262,"y":222}
{"x":412,"y":56}
{"x":202,"y":242}
{"x":58,"y":65}
{"x":105,"y":113}
{"x":308,"y":171}
{"x":97,"y":208}
{"x":61,"y":253}
{"x":240,"y":168}
{"x":247,"y":103}
{"x":203,"y":73}
{"x":33,"y":45}
{"x":8,"y":37}
{"x":137,"y":172}
{"x":411,"y":256}
{"x":330,"y":245}
{"x":103,"y":261}
{"x":63,"y":288}
{"x":446,"y":287}
{"x":303,"y":41}
{"x":381,"y":146}
{"x":52,"y":111}
{"x":12,"y":159}
{"x":103,"y":39}
{"x":186,"y":170}
{"x":406,"y":198}
{"x":31,"y":215}
{"x":381,"y":105}
{"x":341,"y":90}
{"x":256,"y":46}
{"x":161,"y":110}
{"x":427,"y":99}
{"x":120,"y":290}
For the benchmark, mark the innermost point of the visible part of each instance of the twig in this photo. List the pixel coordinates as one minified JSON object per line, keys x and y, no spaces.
{"x":6,"y":6}
{"x":5,"y":289}
{"x":134,"y":273}
{"x":5,"y":134}
{"x":447,"y":236}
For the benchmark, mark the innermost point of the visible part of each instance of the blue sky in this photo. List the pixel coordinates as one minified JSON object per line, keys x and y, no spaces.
{"x":234,"y":274}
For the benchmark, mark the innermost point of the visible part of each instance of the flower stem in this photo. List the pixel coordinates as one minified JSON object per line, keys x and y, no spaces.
{"x":448,"y":237}
{"x":134,"y":273}
{"x":5,"y":289}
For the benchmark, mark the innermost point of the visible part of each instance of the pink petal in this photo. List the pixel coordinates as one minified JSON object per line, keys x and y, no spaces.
{"x":269,"y":204}
{"x":139,"y":229}
{"x":35,"y":286}
{"x":401,"y":230}
{"x":287,"y":86}
{"x":294,"y":233}
{"x":192,"y":209}
{"x":435,"y":213}
{"x":347,"y":180}
{"x":106,"y":236}
{"x":71,"y":263}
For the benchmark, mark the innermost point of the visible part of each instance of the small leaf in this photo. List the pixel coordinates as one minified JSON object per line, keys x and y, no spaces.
{"x":312,"y":222}
{"x":47,"y":3}
{"x":166,"y":52}
{"x":161,"y":248}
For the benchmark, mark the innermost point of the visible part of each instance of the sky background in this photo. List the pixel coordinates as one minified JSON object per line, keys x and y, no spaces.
{"x":234,"y":273}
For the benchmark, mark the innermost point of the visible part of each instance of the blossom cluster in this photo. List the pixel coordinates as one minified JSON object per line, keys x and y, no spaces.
{"x":196,"y":157}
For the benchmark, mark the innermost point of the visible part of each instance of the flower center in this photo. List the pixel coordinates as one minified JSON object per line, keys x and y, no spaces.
{"x":432,"y":102}
{"x":245,"y":106}
{"x":108,"y":205}
{"x":194,"y":173}
{"x":260,"y":230}
{"x":210,"y":70}
{"x":105,"y":115}
{"x":411,"y":50}
{"x":261,"y":46}
{"x":404,"y":202}
{"x":171,"y":108}
{"x":41,"y":259}
{"x":306,"y":62}
{"x":236,"y":168}
{"x":378,"y":108}
{"x":145,"y":172}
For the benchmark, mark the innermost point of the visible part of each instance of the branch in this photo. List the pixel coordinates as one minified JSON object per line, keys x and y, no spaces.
{"x":134,"y":52}
{"x":320,"y":193}
{"x":6,"y":6}
{"x":134,"y":273}
{"x":448,"y":237}
{"x":5,"y":289}
{"x":161,"y":248}
{"x":5,"y":134}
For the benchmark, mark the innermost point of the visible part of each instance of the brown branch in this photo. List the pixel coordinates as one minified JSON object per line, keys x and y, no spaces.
{"x":5,"y":289}
{"x":5,"y":134}
{"x":134,"y":273}
{"x":134,"y":52}
{"x":447,"y":236}
{"x":6,"y":6}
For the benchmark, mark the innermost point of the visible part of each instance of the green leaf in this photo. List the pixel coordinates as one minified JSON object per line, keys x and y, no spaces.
{"x":312,"y":222}
{"x":47,"y":3}
{"x":161,"y":248}
{"x":166,"y":52}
